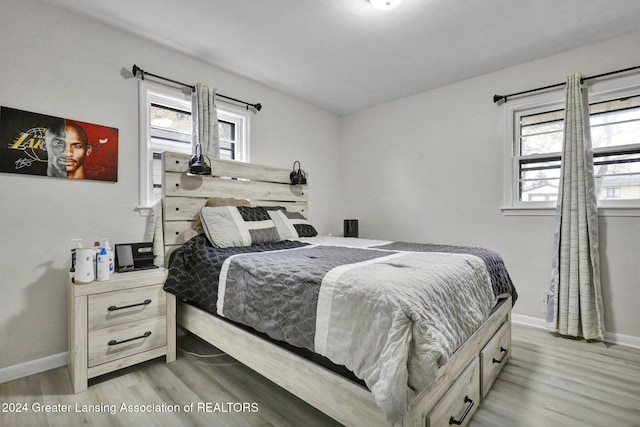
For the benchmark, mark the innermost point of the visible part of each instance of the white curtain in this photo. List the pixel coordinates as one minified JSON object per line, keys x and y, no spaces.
{"x":575,"y":303}
{"x":153,"y":233}
{"x":205,"y":121}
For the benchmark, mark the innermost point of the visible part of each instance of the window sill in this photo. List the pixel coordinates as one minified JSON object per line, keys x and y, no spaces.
{"x":144,"y":210}
{"x":522,"y":211}
{"x":622,"y":211}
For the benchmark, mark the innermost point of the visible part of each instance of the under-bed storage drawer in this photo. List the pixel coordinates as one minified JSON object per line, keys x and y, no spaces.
{"x":459,"y":403}
{"x":494,"y":356}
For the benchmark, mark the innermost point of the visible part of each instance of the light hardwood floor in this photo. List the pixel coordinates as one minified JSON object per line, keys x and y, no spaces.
{"x":549,"y":381}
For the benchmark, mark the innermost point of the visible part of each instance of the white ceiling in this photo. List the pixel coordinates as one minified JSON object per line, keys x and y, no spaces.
{"x":344,"y":55}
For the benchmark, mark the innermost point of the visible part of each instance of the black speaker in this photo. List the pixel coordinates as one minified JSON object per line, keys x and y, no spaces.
{"x":350,"y":228}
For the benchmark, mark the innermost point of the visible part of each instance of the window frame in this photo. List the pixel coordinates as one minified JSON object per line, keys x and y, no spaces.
{"x":151,"y":92}
{"x":241,"y":118}
{"x":598,"y":91}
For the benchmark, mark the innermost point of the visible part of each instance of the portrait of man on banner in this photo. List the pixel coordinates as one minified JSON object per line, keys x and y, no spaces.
{"x":38,"y":144}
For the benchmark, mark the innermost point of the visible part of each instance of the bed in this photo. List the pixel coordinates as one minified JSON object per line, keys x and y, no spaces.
{"x":429,"y":388}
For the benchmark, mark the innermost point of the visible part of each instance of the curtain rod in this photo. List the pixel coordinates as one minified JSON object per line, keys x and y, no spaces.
{"x":500,"y":99}
{"x":139,"y":72}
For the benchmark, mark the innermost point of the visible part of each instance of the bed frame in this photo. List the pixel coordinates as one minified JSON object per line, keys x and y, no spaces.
{"x":349,"y":403}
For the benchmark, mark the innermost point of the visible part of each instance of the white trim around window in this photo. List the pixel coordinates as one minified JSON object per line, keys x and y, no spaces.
{"x":149,"y":92}
{"x":241,"y":118}
{"x":513,"y":109}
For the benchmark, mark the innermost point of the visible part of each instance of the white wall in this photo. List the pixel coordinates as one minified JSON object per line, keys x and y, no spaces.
{"x":438,"y":177}
{"x":53,"y":62}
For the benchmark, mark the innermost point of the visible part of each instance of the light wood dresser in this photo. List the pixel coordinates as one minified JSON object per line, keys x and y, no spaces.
{"x":118,"y":323}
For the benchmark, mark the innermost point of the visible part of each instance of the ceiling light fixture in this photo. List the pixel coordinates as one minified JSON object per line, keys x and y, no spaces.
{"x":385,"y":4}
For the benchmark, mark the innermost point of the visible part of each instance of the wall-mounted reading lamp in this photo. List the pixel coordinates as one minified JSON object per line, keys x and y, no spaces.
{"x":198,"y":165}
{"x":297,"y":177}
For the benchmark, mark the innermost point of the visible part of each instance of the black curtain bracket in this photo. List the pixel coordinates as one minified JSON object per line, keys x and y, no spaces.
{"x":140,"y":73}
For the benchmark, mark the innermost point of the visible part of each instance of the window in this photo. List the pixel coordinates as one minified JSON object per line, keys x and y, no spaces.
{"x":232,"y":132}
{"x":613,"y":192}
{"x":166,"y":125}
{"x":169,"y":130}
{"x":535,"y":134}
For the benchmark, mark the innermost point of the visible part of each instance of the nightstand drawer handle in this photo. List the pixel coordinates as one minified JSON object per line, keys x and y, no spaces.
{"x":470,"y":402}
{"x":145,"y":335}
{"x":504,"y":352}
{"x":114,"y":308}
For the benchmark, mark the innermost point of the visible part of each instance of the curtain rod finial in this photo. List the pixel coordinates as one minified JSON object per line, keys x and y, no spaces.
{"x":255,"y":108}
{"x":499,"y":99}
{"x":137,"y":71}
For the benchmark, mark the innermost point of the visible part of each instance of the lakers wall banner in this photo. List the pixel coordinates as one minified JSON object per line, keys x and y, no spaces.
{"x":37,"y":144}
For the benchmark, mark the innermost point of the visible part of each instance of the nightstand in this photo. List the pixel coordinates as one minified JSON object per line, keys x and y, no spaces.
{"x":118,"y":323}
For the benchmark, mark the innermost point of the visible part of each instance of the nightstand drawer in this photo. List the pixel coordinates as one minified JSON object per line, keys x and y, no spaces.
{"x":128,"y":305}
{"x":494,"y":356}
{"x":124,"y":340}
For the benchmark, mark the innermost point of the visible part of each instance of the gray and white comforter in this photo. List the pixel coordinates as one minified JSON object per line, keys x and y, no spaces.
{"x":391,"y":316}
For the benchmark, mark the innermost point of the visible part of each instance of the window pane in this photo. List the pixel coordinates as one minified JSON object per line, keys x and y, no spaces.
{"x":618,"y":176}
{"x":539,"y":180}
{"x":555,"y":116}
{"x":225,"y":145}
{"x":171,"y":119}
{"x":157,"y":176}
{"x":226,"y":154}
{"x":542,"y":143}
{"x":615,"y":132}
{"x":615,"y":122}
{"x":541,"y":133}
{"x":614,"y":105}
{"x":626,"y":114}
{"x":226,"y":130}
{"x":541,"y":193}
{"x":618,"y":187}
{"x":622,"y":163}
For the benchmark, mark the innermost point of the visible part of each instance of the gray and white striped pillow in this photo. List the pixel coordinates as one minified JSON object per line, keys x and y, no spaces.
{"x":292,"y":225}
{"x":235,"y":226}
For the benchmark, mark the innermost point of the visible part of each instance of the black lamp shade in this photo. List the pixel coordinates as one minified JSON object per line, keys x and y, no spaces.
{"x":197,"y":166}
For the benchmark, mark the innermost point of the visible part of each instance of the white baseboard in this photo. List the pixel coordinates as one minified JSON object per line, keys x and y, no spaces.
{"x":610,"y":337}
{"x":626,"y":340}
{"x":534,"y":322}
{"x":33,"y":367}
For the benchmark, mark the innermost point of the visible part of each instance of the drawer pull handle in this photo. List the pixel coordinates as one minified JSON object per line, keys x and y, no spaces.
{"x":145,"y":335}
{"x":470,"y":402}
{"x":504,"y":352}
{"x":114,"y":308}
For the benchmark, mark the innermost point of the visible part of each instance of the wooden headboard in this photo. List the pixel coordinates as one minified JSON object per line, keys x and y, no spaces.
{"x":184,"y":195}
